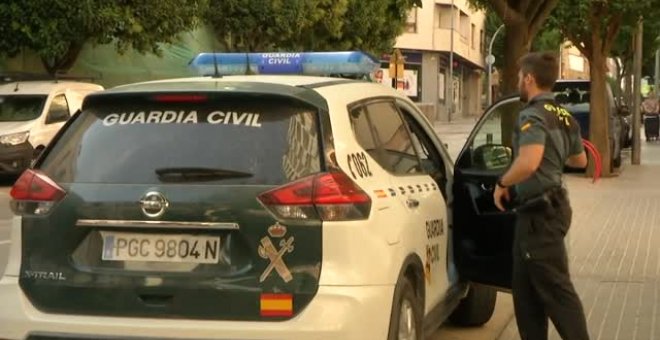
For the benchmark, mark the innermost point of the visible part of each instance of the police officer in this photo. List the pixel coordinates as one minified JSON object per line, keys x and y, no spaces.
{"x":545,"y":139}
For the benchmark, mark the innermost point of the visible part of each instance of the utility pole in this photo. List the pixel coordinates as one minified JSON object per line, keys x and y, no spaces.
{"x":450,"y":76}
{"x":490,"y":60}
{"x":637,"y":83}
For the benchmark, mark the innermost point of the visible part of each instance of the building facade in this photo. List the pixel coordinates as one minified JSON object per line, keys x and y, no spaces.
{"x":427,"y":44}
{"x":572,"y":65}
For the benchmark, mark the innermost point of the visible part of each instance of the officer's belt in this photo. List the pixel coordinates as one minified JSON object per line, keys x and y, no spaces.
{"x":549,"y":197}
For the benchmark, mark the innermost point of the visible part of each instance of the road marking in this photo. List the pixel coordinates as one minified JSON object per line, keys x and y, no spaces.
{"x":4,"y":242}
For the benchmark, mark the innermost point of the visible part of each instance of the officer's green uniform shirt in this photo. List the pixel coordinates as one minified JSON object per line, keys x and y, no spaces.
{"x":543,"y":122}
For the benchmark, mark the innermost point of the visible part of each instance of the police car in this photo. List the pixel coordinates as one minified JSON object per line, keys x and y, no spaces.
{"x":256,"y":207}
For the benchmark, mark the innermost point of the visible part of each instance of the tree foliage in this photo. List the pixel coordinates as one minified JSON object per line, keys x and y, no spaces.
{"x":261,"y":25}
{"x":523,"y":20}
{"x":593,"y":27}
{"x":623,"y":48}
{"x":57,"y":30}
{"x":548,"y":39}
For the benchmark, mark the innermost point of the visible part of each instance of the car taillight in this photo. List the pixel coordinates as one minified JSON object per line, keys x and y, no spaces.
{"x":34,"y":194}
{"x":330,"y":196}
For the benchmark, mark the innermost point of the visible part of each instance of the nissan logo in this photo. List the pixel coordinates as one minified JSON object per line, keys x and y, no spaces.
{"x":154,"y":204}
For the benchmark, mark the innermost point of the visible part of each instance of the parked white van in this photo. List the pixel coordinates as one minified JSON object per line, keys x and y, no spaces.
{"x":31,"y":113}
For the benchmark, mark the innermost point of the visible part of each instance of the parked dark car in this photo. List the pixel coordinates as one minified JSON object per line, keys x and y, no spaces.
{"x":575,"y":96}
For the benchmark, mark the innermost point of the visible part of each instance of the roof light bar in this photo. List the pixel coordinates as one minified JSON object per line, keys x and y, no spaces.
{"x":305,"y":63}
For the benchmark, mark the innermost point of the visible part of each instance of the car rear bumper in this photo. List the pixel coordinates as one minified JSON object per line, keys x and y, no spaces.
{"x":336,"y":312}
{"x":15,"y":158}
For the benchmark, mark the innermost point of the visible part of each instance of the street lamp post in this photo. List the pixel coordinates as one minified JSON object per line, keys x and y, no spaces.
{"x":450,"y":76}
{"x":637,"y":115}
{"x":490,"y":60}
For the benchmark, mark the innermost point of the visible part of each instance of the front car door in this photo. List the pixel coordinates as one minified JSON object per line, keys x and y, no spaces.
{"x":57,"y":113}
{"x":482,"y":235}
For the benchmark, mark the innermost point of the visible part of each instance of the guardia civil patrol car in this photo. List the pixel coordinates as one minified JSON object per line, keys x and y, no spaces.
{"x":256,"y":207}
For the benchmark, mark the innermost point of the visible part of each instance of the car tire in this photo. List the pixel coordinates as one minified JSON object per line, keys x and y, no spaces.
{"x":407,"y":306}
{"x":37,"y":152}
{"x":476,"y":308}
{"x":617,"y":161}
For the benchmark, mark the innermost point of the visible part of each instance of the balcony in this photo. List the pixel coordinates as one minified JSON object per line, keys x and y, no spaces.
{"x":442,"y":42}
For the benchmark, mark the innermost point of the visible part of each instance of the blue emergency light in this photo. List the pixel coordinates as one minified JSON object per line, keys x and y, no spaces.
{"x":305,"y":63}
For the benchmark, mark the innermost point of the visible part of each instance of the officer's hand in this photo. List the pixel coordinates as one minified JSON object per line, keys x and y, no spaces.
{"x":499,"y":196}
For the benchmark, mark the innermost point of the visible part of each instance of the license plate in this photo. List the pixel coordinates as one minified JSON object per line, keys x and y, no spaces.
{"x":160,"y":248}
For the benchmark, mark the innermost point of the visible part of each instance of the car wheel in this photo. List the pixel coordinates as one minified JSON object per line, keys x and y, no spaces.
{"x":617,"y":161}
{"x":476,"y":308}
{"x":37,"y":152}
{"x":406,"y":320}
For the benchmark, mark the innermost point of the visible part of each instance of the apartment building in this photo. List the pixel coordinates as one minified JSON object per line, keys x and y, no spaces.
{"x":572,"y":65}
{"x":427,"y":43}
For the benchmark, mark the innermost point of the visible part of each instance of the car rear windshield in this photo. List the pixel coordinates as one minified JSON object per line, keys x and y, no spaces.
{"x":575,"y":96}
{"x":18,"y":108}
{"x":171,"y":138}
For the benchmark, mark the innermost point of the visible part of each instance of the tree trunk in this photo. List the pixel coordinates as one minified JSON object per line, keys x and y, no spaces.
{"x":517,"y":45}
{"x":65,"y":62}
{"x":599,"y":107}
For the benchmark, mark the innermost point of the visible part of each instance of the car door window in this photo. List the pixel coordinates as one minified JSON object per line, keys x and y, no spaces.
{"x":431,"y":160}
{"x":362,"y":130}
{"x":490,"y":147}
{"x":59,"y":110}
{"x":396,"y":150}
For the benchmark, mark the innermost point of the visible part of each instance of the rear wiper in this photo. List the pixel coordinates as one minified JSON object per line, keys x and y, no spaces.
{"x":197,"y":174}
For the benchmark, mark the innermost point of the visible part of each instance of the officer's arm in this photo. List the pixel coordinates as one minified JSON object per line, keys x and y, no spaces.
{"x":527,"y":162}
{"x":578,"y":161}
{"x":532,"y":145}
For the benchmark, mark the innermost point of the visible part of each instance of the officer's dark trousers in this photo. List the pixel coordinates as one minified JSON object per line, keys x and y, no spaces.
{"x":542,"y":286}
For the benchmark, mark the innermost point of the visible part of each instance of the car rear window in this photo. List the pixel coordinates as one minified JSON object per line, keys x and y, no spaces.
{"x":574,"y":96}
{"x":170,"y":138}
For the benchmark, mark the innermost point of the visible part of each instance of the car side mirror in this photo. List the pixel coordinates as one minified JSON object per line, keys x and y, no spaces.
{"x":492,"y":157}
{"x":624,"y":111}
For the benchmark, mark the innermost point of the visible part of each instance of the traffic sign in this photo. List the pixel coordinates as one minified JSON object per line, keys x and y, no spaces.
{"x":397,"y":63}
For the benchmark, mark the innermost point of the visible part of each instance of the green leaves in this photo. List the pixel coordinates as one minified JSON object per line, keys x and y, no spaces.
{"x":56,"y":30}
{"x":259,"y":25}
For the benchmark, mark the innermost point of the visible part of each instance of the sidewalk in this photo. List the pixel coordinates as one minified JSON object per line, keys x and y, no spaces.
{"x":455,"y":133}
{"x":615,"y":251}
{"x":614,"y":245}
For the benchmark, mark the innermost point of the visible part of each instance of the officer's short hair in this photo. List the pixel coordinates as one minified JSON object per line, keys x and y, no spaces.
{"x":542,"y":66}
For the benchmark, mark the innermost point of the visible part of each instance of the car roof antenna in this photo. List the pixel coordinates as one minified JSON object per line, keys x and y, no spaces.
{"x":248,"y":70}
{"x":215,"y":66}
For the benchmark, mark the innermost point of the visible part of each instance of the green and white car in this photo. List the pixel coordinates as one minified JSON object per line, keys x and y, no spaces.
{"x":255,"y":207}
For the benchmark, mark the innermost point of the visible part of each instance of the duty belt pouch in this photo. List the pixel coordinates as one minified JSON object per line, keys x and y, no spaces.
{"x":535,"y":204}
{"x":546,"y":219}
{"x":552,"y":199}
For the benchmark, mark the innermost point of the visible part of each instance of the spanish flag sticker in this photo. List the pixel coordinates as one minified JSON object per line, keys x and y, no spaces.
{"x":526,"y":126}
{"x":274,"y":305}
{"x":380,"y":193}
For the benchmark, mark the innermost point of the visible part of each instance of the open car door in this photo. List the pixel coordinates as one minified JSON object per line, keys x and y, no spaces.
{"x":483,"y":235}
